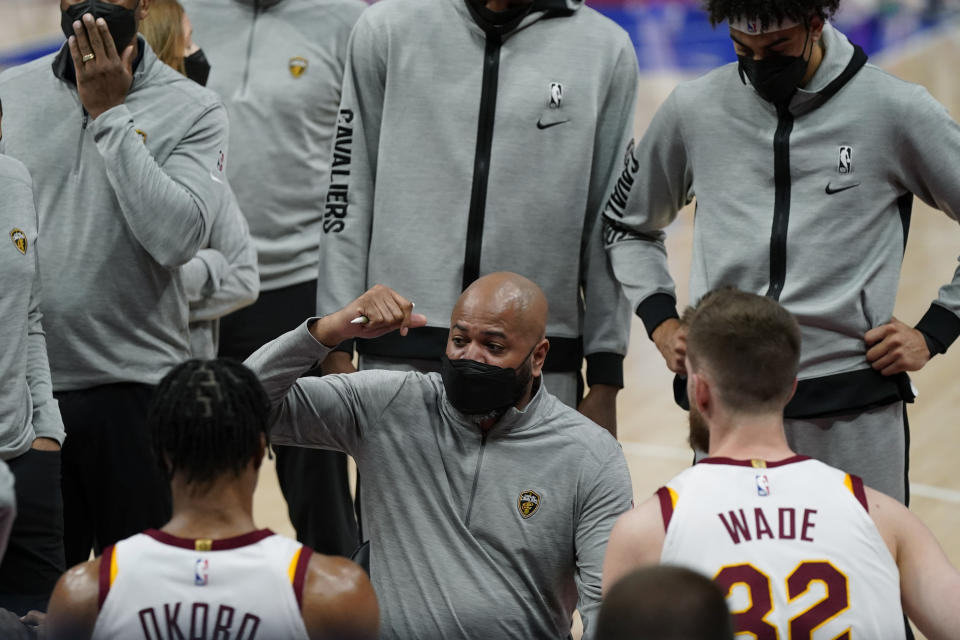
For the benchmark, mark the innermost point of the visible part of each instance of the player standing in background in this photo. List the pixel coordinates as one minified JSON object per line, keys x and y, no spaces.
{"x":796,"y":545}
{"x":209,"y":572}
{"x":278,"y":65}
{"x":804,"y":161}
{"x":480,"y":136}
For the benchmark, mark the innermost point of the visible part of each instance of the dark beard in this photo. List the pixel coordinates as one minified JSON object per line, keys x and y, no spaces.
{"x":524,"y":376}
{"x":699,"y":437}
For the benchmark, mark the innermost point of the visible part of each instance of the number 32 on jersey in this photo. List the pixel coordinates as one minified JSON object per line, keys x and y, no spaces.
{"x":753,"y":619}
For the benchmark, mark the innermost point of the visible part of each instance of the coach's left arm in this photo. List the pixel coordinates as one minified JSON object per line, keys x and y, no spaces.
{"x":928,"y":139}
{"x":606,"y":493}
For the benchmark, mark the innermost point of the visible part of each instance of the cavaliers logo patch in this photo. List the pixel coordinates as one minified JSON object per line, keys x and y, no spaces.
{"x":528,"y":503}
{"x":142,"y":134}
{"x":298,"y":66}
{"x":19,"y":240}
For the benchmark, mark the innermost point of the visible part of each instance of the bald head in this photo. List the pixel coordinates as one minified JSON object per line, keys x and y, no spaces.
{"x":508,"y":299}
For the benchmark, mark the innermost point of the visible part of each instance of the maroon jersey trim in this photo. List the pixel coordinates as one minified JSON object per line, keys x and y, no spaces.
{"x":749,"y":463}
{"x":224,"y":544}
{"x":105,"y":561}
{"x":858,"y":491}
{"x":300,"y":576}
{"x":666,"y":506}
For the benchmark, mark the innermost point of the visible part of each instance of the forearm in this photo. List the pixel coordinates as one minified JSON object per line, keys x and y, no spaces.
{"x":168,"y":209}
{"x":238,"y":287}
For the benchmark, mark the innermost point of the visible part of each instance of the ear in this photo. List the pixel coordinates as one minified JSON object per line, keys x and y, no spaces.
{"x":816,"y":28}
{"x":793,"y":391}
{"x":143,"y":9}
{"x":539,"y":357}
{"x":702,"y":397}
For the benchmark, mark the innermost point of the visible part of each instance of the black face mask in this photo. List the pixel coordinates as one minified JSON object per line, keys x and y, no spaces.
{"x":121,"y":21}
{"x":776,"y":77}
{"x":196,"y":67}
{"x":477,"y":388}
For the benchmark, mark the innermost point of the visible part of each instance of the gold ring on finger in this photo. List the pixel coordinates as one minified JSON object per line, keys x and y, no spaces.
{"x":88,"y":57}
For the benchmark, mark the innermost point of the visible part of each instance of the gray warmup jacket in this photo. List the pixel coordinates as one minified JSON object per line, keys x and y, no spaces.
{"x":278,"y":65}
{"x":452,"y":554}
{"x":124,"y":201}
{"x":810,"y":206}
{"x":221,"y":278}
{"x":450,"y":163}
{"x":27,"y":407}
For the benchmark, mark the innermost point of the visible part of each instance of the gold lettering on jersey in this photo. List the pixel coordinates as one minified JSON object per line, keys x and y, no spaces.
{"x":298,"y":66}
{"x":744,"y":526}
{"x":203,"y":544}
{"x":528,"y":503}
{"x":19,"y":240}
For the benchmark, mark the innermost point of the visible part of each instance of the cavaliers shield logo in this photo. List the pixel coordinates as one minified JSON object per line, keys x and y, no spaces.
{"x":528,"y":503}
{"x":19,"y":240}
{"x":142,"y":134}
{"x":298,"y":66}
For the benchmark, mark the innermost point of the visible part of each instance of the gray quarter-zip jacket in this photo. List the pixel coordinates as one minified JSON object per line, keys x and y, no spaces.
{"x":278,"y":65}
{"x":27,"y":407}
{"x":472,"y":535}
{"x":810,"y":206}
{"x":124,"y":201}
{"x":461,"y":152}
{"x":221,"y":278}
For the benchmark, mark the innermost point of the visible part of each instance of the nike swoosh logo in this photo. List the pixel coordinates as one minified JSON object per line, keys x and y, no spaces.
{"x":830,"y":191}
{"x":215,"y":178}
{"x":540,"y":124}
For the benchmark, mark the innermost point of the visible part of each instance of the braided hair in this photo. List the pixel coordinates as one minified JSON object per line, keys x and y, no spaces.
{"x":768,"y":12}
{"x":206,"y":419}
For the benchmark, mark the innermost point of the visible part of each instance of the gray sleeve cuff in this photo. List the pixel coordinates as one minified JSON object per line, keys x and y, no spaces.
{"x":656,"y":310}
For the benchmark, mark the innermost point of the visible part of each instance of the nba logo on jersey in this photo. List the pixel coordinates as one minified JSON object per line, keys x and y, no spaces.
{"x":763,"y":486}
{"x":200,"y":570}
{"x":845,"y":165}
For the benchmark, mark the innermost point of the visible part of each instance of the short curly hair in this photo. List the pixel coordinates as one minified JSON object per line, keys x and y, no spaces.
{"x":768,"y":12}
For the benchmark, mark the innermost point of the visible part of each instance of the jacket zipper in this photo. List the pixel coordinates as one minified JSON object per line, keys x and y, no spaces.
{"x":781,"y":206}
{"x":481,"y":161}
{"x":83,"y":133}
{"x":253,"y":26}
{"x":476,"y":479}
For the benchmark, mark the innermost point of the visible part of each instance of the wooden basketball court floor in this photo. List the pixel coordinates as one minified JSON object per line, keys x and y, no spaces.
{"x":651,"y":428}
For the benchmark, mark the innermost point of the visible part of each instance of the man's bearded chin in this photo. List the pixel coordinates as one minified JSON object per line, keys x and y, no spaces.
{"x":699,"y":432}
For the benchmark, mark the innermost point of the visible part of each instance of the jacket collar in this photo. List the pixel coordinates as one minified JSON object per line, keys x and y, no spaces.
{"x":535,"y":11}
{"x":513,"y":419}
{"x":841,"y":61}
{"x":63,"y":63}
{"x":260,"y":4}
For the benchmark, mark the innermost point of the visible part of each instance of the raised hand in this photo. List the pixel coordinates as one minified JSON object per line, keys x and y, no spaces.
{"x":103,"y":76}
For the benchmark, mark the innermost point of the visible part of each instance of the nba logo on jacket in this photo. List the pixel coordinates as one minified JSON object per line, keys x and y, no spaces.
{"x":845,"y":164}
{"x":556,"y":95}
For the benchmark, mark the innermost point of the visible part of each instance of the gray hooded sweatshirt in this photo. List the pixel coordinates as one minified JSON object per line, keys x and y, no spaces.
{"x":27,"y":407}
{"x":810,"y":206}
{"x":278,"y":64}
{"x":124,"y":201}
{"x":472,"y":535}
{"x":461,"y":151}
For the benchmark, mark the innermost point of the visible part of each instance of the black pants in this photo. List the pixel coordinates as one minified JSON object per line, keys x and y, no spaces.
{"x":313,"y":481}
{"x":112,"y":485}
{"x":34,"y":559}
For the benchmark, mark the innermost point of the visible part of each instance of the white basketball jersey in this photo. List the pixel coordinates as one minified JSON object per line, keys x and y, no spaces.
{"x":792,"y":545}
{"x":154,"y":586}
